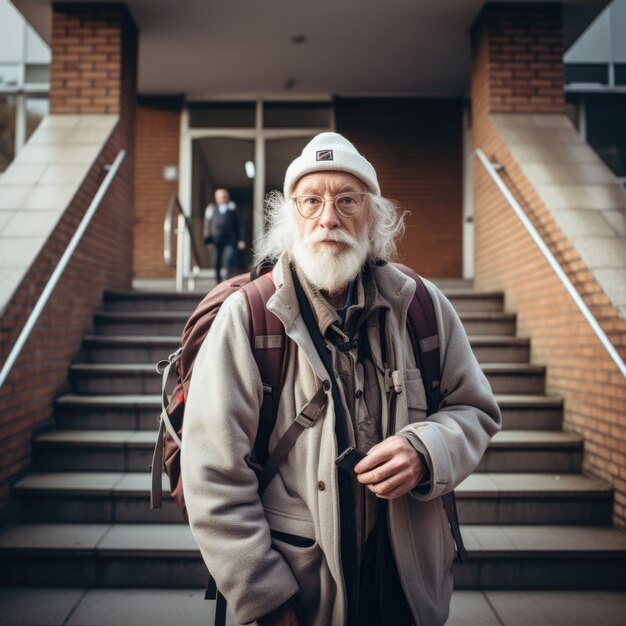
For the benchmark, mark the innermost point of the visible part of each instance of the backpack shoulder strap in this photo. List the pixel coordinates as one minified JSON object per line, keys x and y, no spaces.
{"x":268,"y":342}
{"x":267,"y":333}
{"x":423,"y":330}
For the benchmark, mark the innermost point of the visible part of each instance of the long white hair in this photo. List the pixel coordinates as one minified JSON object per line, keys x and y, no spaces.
{"x":386,"y":226}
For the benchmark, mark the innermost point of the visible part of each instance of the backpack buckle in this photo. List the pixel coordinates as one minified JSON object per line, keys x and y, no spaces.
{"x":172,"y":358}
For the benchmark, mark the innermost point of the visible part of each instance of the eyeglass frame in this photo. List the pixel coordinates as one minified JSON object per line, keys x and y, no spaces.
{"x":364,"y":195}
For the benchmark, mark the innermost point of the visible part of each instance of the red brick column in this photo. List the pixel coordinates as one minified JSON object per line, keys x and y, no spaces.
{"x":87,"y":74}
{"x":157,"y":146}
{"x":519,"y":49}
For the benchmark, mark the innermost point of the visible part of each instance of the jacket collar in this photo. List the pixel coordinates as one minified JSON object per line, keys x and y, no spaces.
{"x":395,"y":290}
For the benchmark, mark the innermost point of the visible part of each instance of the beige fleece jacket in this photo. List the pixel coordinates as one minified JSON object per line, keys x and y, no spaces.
{"x":232,"y":525}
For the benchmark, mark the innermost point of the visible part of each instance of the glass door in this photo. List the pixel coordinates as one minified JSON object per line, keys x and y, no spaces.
{"x":222,"y":163}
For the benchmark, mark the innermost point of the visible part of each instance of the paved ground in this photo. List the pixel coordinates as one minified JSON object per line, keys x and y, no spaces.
{"x":157,"y":607}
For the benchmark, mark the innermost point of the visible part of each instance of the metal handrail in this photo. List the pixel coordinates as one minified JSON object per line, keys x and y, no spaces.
{"x":61,"y":265}
{"x":556,"y":266}
{"x":169,"y":230}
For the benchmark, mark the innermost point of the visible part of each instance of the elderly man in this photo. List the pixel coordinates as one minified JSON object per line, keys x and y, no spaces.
{"x":322,"y":545}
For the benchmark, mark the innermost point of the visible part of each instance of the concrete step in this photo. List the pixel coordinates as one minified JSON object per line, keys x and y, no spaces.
{"x":133,"y":412}
{"x":452,"y":283}
{"x":485,"y":323}
{"x":519,"y":378}
{"x":121,"y":349}
{"x":151,"y":349}
{"x":131,"y":451}
{"x":503,"y":498}
{"x":114,"y":378}
{"x":151,"y":301}
{"x":123,"y":412}
{"x":95,"y":497}
{"x":470,"y":301}
{"x":463,"y":299}
{"x":168,"y":323}
{"x":528,"y":412}
{"x":533,"y":450}
{"x":101,"y":555}
{"x":132,"y":378}
{"x":542,"y":557}
{"x":483,"y":498}
{"x":94,"y":450}
{"x":165,"y":556}
{"x":163,"y":607}
{"x":501,"y":349}
{"x":29,"y":606}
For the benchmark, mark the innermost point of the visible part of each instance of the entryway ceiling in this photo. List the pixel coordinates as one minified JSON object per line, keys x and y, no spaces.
{"x":239,"y":48}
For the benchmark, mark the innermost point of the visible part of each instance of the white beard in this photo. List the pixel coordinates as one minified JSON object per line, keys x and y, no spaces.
{"x":324,"y":266}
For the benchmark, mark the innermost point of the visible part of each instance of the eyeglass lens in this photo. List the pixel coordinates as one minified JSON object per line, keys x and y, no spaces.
{"x":347,"y":204}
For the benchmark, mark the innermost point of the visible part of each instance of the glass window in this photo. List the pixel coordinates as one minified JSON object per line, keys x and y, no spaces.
{"x":296,"y":114}
{"x":7,"y":130}
{"x":620,"y":73}
{"x":606,"y":129}
{"x":9,"y":74}
{"x":587,"y":73}
{"x":37,"y":73}
{"x":222,"y":114}
{"x":36,"y":110}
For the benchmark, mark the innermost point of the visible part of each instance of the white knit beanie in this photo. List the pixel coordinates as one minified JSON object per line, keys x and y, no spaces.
{"x":326,"y":152}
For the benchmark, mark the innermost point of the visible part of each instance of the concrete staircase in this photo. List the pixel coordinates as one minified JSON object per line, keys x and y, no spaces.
{"x":531,"y":519}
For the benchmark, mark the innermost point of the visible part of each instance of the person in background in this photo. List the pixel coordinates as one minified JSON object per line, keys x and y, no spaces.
{"x":223,"y":228}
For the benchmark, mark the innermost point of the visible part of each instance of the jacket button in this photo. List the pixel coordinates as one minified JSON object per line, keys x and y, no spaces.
{"x":358,"y":394}
{"x":321,"y":485}
{"x":326,"y":385}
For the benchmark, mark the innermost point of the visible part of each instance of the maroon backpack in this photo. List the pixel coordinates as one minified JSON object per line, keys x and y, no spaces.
{"x":267,"y":339}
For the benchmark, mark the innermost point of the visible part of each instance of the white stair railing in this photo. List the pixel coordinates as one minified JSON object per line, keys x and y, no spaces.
{"x":60,"y":268}
{"x":492,"y":170}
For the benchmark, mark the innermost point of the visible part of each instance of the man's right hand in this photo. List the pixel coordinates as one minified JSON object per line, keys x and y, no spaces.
{"x":284,"y":615}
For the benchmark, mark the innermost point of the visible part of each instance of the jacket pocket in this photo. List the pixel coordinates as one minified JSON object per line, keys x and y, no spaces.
{"x":415,"y":395}
{"x":305,"y":559}
{"x":293,"y":540}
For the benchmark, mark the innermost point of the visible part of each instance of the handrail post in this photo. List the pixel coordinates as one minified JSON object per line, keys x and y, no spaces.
{"x":60,"y":268}
{"x":184,"y":231}
{"x":492,"y":170}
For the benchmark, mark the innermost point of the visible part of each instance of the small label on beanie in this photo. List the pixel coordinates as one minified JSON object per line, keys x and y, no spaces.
{"x":324,"y":155}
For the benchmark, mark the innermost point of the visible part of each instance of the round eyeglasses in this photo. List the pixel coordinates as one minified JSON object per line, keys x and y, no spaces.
{"x":347,"y":204}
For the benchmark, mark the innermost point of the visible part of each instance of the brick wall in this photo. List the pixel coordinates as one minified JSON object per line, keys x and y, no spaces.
{"x":524,"y":51}
{"x":102,"y":261}
{"x":416,"y":147}
{"x":578,"y":367}
{"x":88,"y":44}
{"x":157,"y":145}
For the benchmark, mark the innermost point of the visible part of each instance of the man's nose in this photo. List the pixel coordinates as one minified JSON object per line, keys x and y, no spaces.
{"x":329,"y":218}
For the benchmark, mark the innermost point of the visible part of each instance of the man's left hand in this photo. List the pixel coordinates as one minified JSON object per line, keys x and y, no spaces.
{"x":241,"y":245}
{"x":391,"y":468}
